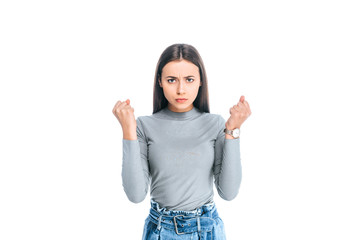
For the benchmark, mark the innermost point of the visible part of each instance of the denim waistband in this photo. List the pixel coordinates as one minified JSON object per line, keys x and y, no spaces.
{"x":200,"y":219}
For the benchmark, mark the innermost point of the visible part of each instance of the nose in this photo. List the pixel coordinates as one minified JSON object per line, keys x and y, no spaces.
{"x":180,"y":88}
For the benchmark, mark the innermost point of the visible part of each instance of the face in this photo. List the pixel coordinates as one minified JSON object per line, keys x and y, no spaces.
{"x":180,"y":79}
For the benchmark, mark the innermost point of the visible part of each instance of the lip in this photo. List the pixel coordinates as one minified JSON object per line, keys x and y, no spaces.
{"x":181,"y":100}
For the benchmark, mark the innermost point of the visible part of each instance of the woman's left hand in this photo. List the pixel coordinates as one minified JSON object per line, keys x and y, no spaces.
{"x":239,"y":113}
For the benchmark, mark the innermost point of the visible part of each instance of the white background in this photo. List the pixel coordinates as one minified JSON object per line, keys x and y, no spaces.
{"x":64,"y":64}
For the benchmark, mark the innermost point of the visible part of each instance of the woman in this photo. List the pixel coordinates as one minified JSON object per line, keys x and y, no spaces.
{"x":180,"y":150}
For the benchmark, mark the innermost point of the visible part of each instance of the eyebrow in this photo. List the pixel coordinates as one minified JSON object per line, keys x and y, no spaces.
{"x":176,"y":77}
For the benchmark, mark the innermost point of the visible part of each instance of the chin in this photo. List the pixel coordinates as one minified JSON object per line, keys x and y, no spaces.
{"x":180,"y":107}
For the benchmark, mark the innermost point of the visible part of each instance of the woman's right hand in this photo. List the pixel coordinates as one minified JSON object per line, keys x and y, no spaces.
{"x":125,"y":115}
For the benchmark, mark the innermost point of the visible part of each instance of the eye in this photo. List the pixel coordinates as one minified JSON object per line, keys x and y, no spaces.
{"x":170,"y":80}
{"x":191,"y":79}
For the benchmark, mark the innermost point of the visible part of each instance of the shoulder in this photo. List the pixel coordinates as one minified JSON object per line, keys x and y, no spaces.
{"x":146,"y":121}
{"x":146,"y":118}
{"x":216,"y":121}
{"x":142,"y":119}
{"x":214,"y":116}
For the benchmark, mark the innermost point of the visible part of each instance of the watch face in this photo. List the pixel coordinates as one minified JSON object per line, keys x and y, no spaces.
{"x":236,"y":132}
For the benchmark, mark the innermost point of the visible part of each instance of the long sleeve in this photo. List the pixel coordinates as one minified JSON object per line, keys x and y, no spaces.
{"x":227,"y":166}
{"x":135,"y":166}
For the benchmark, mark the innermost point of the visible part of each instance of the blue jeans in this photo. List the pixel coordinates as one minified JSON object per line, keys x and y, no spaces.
{"x":202,"y":223}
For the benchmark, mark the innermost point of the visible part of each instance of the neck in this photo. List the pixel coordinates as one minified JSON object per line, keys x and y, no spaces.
{"x":169,"y":114}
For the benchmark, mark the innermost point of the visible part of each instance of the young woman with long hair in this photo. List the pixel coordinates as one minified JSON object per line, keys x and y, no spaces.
{"x":181,"y":150}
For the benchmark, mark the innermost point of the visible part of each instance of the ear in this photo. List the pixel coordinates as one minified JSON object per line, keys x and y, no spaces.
{"x":160,"y":82}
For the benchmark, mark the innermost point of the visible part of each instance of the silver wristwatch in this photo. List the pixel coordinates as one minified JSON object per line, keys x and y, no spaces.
{"x":235,"y":132}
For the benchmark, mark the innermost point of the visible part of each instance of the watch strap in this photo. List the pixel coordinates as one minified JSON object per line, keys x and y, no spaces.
{"x":230,"y":132}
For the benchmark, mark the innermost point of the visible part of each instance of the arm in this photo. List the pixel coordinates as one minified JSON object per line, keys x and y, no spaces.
{"x":135,"y":166}
{"x":227,"y":165}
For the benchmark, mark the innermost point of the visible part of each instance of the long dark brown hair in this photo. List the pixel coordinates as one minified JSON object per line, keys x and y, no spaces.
{"x":181,"y":52}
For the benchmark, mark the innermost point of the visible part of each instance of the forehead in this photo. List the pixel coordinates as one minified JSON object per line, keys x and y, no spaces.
{"x":180,"y":67}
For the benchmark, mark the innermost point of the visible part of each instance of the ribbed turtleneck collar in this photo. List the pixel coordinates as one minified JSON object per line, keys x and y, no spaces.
{"x":168,"y":114}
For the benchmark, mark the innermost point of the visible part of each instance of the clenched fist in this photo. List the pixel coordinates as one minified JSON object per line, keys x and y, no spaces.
{"x":239,"y":113}
{"x":125,"y":115}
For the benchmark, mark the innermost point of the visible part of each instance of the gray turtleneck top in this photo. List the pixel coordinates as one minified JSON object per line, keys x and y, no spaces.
{"x":181,"y":154}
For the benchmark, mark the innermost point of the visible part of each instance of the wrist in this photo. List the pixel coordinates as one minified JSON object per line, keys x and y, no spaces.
{"x":227,"y":136}
{"x":131,"y":135}
{"x":229,"y":127}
